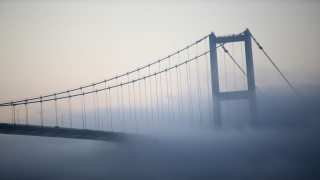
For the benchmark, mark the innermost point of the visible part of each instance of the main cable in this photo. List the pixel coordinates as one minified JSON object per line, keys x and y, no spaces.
{"x":260,"y":47}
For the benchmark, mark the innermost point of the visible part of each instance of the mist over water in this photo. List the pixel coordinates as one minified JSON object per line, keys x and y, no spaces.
{"x":282,"y":144}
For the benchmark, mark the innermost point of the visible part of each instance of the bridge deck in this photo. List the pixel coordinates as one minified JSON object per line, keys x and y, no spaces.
{"x":59,"y":132}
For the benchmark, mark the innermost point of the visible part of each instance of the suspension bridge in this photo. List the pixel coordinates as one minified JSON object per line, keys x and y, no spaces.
{"x":193,"y":87}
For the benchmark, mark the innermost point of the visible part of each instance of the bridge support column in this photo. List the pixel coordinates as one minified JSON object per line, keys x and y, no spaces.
{"x":250,"y":78}
{"x":218,"y":96}
{"x":214,"y":80}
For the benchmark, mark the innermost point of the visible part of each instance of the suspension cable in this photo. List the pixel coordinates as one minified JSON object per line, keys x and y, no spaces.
{"x":84,"y":111}
{"x":70,"y":114}
{"x":188,"y":92}
{"x":134,"y":102}
{"x":225,"y":74}
{"x":110,"y":109}
{"x":12,"y":114}
{"x":178,"y":94}
{"x":56,"y":111}
{"x":41,"y":115}
{"x":171,"y":94}
{"x":118,"y":100}
{"x":235,"y":80}
{"x":105,"y":91}
{"x":124,"y":126}
{"x":151,"y":96}
{"x":199,"y":90}
{"x":244,"y":82}
{"x":190,"y":87}
{"x":168,"y":96}
{"x":115,"y":86}
{"x":145,"y":93}
{"x":129,"y":98}
{"x":209,"y":99}
{"x":94,"y":108}
{"x":78,"y":88}
{"x":140,"y":94}
{"x":260,"y":47}
{"x":181,"y":88}
{"x":155,"y":77}
{"x":226,"y":51}
{"x":98,"y":111}
{"x":161,"y":94}
{"x":34,"y":99}
{"x":26,"y":111}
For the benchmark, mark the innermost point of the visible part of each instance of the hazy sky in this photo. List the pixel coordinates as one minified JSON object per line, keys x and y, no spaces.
{"x":48,"y":46}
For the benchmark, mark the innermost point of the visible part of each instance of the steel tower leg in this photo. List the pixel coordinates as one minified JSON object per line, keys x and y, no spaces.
{"x":214,"y":80}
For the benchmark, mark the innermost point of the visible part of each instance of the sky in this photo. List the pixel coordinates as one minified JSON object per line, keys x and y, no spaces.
{"x":51,"y":46}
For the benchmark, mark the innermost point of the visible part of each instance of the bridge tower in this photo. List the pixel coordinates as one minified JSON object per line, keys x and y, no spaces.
{"x":249,"y":94}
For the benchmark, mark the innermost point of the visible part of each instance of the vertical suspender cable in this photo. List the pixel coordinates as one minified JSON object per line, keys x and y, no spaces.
{"x":189,"y":72}
{"x":235,"y":79}
{"x":168,"y":96}
{"x":208,"y":85}
{"x":244,"y":82}
{"x":110,"y":109}
{"x":178,"y":94}
{"x":98,"y":110}
{"x":12,"y":112}
{"x":135,"y":110}
{"x":150,"y":94}
{"x":41,"y":115}
{"x":140,"y":94}
{"x":171,"y":93}
{"x":105,"y":92}
{"x":199,"y":90}
{"x":118,"y":100}
{"x":26,"y":111}
{"x":124,"y":126}
{"x":129,"y":99}
{"x":181,"y":88}
{"x":94,"y":108}
{"x":225,"y":73}
{"x":82,"y":114}
{"x":161,"y":94}
{"x":155,"y":77}
{"x":188,"y":91}
{"x":84,"y":111}
{"x":55,"y":104}
{"x":70,"y":111}
{"x":145,"y":93}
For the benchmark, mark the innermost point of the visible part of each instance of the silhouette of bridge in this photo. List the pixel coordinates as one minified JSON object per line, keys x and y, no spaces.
{"x":186,"y":88}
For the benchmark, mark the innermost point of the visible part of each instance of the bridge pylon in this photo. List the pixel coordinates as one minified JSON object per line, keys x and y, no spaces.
{"x":249,"y":94}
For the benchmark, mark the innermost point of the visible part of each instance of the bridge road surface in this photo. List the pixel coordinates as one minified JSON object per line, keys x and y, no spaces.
{"x":31,"y":130}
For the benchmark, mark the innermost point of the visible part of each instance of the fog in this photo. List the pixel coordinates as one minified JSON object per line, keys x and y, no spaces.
{"x":283,"y":144}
